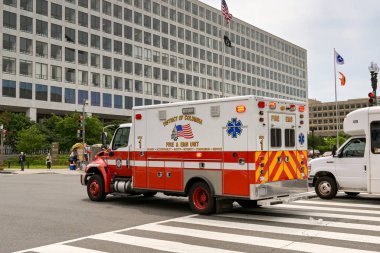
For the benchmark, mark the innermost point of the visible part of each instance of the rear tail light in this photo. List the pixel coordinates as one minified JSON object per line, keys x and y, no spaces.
{"x":138,"y":116}
{"x":292,"y":107}
{"x":261,"y":104}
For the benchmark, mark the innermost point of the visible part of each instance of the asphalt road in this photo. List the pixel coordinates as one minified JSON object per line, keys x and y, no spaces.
{"x":41,"y":209}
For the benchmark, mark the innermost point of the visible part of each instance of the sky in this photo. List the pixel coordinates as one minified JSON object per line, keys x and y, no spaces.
{"x":352,"y":27}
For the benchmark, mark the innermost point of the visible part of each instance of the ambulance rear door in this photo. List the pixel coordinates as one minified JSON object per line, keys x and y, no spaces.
{"x":374,"y":156}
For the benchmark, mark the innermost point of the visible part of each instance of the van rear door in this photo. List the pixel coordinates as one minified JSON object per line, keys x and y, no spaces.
{"x":374,"y":156}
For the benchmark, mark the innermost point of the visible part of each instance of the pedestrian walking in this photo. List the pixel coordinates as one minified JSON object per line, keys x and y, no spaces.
{"x":21,"y":160}
{"x":48,"y":161}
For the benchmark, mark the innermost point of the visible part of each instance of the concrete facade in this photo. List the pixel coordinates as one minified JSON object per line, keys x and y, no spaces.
{"x":118,"y":54}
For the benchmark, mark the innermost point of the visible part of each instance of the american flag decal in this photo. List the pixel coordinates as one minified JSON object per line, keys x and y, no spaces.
{"x":227,"y":15}
{"x":182,"y":131}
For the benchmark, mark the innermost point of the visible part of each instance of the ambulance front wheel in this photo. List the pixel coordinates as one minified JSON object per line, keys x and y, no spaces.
{"x":200,"y":198}
{"x":95,"y":188}
{"x":326,"y":187}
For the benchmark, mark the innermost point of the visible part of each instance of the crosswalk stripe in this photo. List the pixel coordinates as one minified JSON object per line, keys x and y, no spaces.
{"x":284,"y":230}
{"x":331,"y":209}
{"x":330,"y":203}
{"x":59,"y":248}
{"x":156,"y":244}
{"x":303,"y":221}
{"x":318,"y":214}
{"x":250,"y":240}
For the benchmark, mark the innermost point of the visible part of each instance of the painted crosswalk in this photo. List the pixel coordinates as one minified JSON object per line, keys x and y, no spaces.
{"x":305,"y":226}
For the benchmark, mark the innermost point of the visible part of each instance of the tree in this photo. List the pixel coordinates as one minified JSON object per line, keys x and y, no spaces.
{"x":13,"y":123}
{"x":30,"y":139}
{"x":49,"y":127}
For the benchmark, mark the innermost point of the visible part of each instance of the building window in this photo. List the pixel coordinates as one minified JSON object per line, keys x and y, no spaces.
{"x":138,"y":52}
{"x":26,"y":24}
{"x":128,"y":102}
{"x":82,"y":19}
{"x":41,"y":71}
{"x":157,"y":89}
{"x":56,"y":31}
{"x":128,"y":85}
{"x":41,"y":28}
{"x":70,"y":15}
{"x":82,"y":57}
{"x":117,"y":29}
{"x":117,"y":65}
{"x":56,"y":11}
{"x":9,"y":88}
{"x":69,"y":96}
{"x":95,"y":41}
{"x":70,"y":75}
{"x":42,"y":7}
{"x":56,"y":52}
{"x":41,"y":49}
{"x":56,"y":73}
{"x":41,"y":92}
{"x":107,"y":8}
{"x":107,"y":81}
{"x":9,"y":65}
{"x":118,"y":101}
{"x":95,"y":5}
{"x":82,"y":96}
{"x":165,"y":91}
{"x":107,"y":100}
{"x":56,"y":94}
{"x":82,"y":77}
{"x":70,"y":35}
{"x":107,"y":44}
{"x":83,"y":38}
{"x":95,"y":22}
{"x":118,"y":83}
{"x":9,"y":42}
{"x":69,"y":54}
{"x":95,"y":79}
{"x":95,"y":60}
{"x":128,"y":49}
{"x":118,"y":47}
{"x":138,"y":102}
{"x":9,"y":20}
{"x":26,"y":5}
{"x":26,"y":68}
{"x":107,"y":63}
{"x":107,"y":27}
{"x":138,"y":69}
{"x":26,"y":90}
{"x":95,"y":98}
{"x":138,"y":86}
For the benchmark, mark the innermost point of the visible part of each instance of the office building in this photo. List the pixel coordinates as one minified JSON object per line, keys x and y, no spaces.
{"x":118,"y":54}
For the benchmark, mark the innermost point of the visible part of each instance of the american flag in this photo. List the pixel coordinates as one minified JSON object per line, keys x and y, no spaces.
{"x":185,"y":131}
{"x":227,"y":15}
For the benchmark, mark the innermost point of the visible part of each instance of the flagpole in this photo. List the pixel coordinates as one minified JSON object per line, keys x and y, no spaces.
{"x":336,"y":103}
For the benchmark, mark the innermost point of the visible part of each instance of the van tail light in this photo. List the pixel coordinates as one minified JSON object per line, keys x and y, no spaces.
{"x":261,"y":104}
{"x":138,"y":116}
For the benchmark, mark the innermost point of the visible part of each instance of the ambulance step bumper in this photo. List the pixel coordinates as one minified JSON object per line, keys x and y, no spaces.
{"x":286,"y":199}
{"x":278,"y":189}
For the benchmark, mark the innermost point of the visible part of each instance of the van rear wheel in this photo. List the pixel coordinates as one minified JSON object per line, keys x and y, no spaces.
{"x":326,"y":187}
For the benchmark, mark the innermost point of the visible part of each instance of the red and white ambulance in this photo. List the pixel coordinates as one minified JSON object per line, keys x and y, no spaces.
{"x":247,"y":149}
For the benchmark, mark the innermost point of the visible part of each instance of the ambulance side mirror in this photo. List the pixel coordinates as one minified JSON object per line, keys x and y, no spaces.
{"x":104,"y":139}
{"x":334,"y":150}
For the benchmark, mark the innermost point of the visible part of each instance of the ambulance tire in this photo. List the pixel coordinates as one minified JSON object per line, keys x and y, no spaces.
{"x":326,"y":187}
{"x":201,"y":200}
{"x":352,"y":194}
{"x":95,"y":188}
{"x":247,"y":203}
{"x":149,"y":194}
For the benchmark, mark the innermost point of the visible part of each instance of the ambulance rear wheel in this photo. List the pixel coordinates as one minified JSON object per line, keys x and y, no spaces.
{"x":200,"y":198}
{"x":247,"y":203}
{"x":326,"y":187}
{"x":95,"y":188}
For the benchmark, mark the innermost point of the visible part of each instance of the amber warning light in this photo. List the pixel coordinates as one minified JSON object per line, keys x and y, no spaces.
{"x":240,"y":108}
{"x":301,"y":108}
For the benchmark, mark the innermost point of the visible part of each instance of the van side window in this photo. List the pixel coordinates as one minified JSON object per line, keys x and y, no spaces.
{"x":275,"y":137}
{"x":121,"y":138}
{"x":355,"y":148}
{"x":375,"y":137}
{"x":289,"y":138}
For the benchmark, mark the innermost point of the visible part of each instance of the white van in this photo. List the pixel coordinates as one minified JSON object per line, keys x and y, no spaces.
{"x":355,"y":166}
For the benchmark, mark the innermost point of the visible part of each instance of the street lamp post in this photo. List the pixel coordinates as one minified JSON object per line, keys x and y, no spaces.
{"x":374,"y":70}
{"x":85,"y":102}
{"x":312,"y":136}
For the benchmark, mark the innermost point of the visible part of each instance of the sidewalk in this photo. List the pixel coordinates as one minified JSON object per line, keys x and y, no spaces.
{"x":41,"y":171}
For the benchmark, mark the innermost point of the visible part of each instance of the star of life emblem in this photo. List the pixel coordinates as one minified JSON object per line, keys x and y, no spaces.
{"x":234,"y":127}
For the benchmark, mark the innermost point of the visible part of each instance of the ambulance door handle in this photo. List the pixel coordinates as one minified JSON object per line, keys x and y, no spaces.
{"x":159,"y":174}
{"x":241,"y":161}
{"x":365,"y":168}
{"x":168,"y":174}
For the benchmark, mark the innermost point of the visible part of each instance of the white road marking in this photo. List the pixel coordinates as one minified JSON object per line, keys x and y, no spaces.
{"x":59,"y":248}
{"x":330,"y":203}
{"x":331,"y":209}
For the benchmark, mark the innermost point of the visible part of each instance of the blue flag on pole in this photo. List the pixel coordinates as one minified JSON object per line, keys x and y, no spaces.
{"x":338,"y":58}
